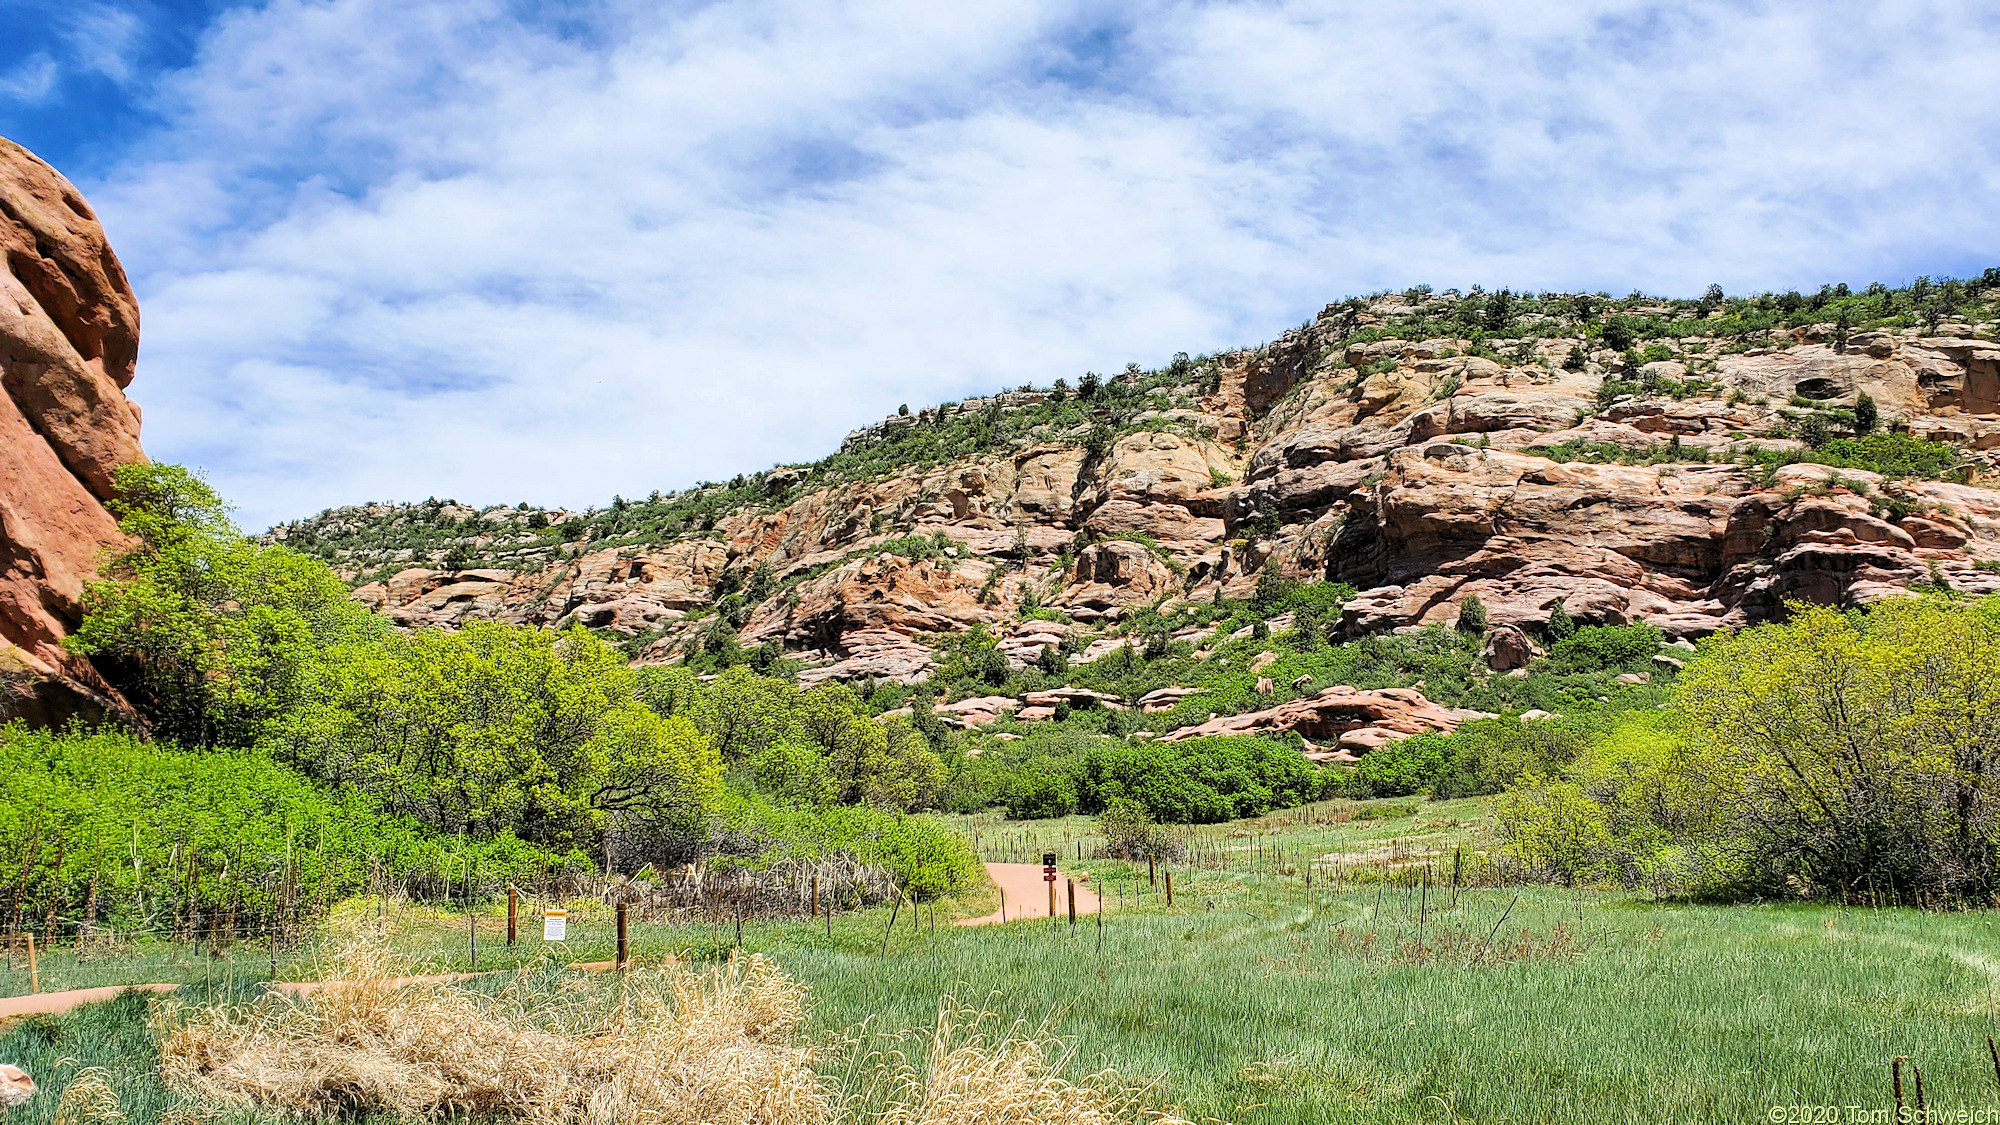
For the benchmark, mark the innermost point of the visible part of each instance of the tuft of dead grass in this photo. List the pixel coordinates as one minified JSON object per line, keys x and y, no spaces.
{"x":666,"y":1046}
{"x":88,"y":1100}
{"x":969,"y":1077}
{"x":662,"y":1046}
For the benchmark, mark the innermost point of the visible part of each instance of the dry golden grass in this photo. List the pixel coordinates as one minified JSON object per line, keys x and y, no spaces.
{"x":966,"y":1079}
{"x":667,"y":1046}
{"x":656,"y":1047}
{"x":88,"y":1100}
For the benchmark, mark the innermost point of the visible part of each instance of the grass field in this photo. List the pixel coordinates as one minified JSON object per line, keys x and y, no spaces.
{"x":1258,"y":999}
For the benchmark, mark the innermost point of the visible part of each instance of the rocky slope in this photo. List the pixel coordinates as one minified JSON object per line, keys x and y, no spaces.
{"x":69,"y":343}
{"x":1525,"y":465}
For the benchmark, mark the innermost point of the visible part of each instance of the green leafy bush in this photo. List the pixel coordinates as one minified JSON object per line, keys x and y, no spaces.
{"x":132,"y":832}
{"x":1834,"y":755}
{"x":1483,"y":756}
{"x":1892,"y":454}
{"x":1594,"y":648}
{"x":1197,"y":781}
{"x":923,"y":855}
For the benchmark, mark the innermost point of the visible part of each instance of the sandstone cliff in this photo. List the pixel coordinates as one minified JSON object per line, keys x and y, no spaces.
{"x":69,"y":343}
{"x":1526,"y":467}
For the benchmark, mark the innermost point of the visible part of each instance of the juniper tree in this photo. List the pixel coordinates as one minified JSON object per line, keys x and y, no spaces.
{"x":1561,"y":626}
{"x":1865,"y":415}
{"x":1472,"y":616}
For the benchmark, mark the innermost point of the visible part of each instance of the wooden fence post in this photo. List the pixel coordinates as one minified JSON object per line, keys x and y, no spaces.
{"x":1072,"y":900}
{"x":815,"y":911}
{"x":1170,"y":888}
{"x":34,"y":974}
{"x":513,"y":914}
{"x":624,"y":949}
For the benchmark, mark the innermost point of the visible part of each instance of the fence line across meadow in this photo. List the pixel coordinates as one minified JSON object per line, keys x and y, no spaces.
{"x":720,"y":895}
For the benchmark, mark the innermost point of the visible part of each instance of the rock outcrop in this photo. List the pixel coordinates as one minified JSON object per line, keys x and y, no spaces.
{"x":69,"y":345}
{"x":1347,"y":718}
{"x":1525,"y":472}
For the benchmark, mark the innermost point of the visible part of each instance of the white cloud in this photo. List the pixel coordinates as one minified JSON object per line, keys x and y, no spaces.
{"x":394,"y":250}
{"x":102,"y":38}
{"x":30,"y":80}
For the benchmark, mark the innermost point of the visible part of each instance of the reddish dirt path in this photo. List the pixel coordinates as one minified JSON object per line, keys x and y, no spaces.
{"x":56,"y":1003}
{"x":1025,"y":895}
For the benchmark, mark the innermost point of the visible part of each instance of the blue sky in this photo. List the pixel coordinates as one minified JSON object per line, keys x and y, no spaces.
{"x":388,"y":249}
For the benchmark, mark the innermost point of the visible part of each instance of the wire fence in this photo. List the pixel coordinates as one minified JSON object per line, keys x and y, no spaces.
{"x":489,"y":927}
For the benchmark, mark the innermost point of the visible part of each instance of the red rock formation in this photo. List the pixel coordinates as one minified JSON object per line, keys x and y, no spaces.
{"x":69,"y":341}
{"x":1357,"y":721}
{"x":1416,"y":472}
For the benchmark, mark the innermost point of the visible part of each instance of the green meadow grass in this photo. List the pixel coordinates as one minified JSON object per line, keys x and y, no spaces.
{"x":1256,"y":999}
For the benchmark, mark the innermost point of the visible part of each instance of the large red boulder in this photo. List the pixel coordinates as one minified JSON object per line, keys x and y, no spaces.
{"x":69,"y":343}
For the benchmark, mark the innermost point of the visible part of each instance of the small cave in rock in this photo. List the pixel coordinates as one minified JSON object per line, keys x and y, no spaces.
{"x":1819,"y":388}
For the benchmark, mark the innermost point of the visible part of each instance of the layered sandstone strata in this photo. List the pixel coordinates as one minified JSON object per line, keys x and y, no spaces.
{"x":69,"y":343}
{"x":1420,"y":473}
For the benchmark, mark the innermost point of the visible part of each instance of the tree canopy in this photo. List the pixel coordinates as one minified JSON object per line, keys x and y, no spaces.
{"x":1837,"y":754}
{"x":487,"y":732}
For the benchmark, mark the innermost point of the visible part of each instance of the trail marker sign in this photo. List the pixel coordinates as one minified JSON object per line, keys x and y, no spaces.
{"x":1048,"y":867}
{"x":555,"y":925}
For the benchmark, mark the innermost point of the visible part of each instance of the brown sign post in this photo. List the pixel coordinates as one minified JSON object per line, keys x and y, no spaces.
{"x":1049,"y":877}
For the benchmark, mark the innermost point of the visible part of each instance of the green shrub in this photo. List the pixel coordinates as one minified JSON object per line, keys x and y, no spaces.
{"x":1483,"y":756}
{"x":1595,"y":648}
{"x":1197,"y":781}
{"x":150,"y":833}
{"x":1892,"y":454}
{"x":1611,"y":390}
{"x":1835,"y":755}
{"x":1472,"y":616}
{"x":1560,"y":625}
{"x":1130,"y":833}
{"x":1556,"y":828}
{"x":1038,"y":794}
{"x":1865,"y":415}
{"x":924,"y":856}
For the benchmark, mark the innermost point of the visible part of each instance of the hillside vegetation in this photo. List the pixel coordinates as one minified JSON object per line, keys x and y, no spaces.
{"x":1416,"y":488}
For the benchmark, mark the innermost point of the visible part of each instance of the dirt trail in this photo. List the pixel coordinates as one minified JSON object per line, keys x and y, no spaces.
{"x":1025,"y":895}
{"x":56,"y":1003}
